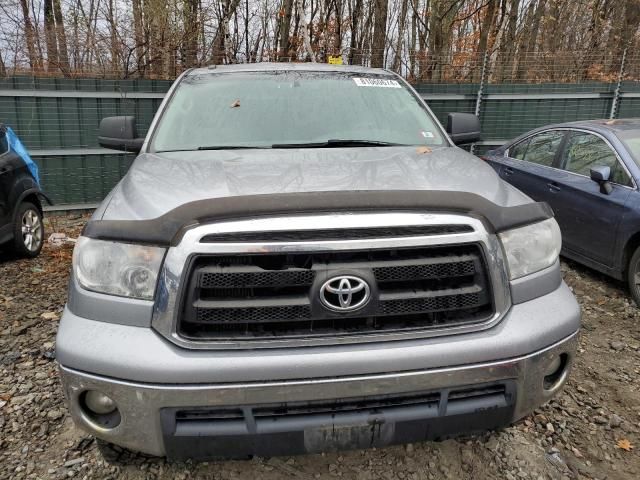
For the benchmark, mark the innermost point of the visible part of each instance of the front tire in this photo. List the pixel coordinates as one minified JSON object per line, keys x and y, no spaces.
{"x":28,"y":231}
{"x":633,"y":276}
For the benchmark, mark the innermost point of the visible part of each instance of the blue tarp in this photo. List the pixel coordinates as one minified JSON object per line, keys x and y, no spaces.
{"x":16,"y":145}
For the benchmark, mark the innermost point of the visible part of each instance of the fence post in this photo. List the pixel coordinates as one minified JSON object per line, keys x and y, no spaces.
{"x":616,"y":93}
{"x":480,"y":92}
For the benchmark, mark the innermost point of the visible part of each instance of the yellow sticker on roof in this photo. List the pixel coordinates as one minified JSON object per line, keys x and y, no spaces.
{"x":377,"y":82}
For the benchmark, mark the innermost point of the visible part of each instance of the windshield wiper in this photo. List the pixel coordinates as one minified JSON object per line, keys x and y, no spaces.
{"x":337,"y":142}
{"x":228,"y":147}
{"x":213,"y":147}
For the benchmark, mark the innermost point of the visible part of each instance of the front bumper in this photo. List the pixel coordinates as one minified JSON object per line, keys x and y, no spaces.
{"x":149,"y":423}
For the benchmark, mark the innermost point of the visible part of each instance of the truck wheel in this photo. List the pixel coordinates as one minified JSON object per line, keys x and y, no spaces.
{"x":633,"y":276}
{"x":115,"y":455}
{"x":28,"y":232}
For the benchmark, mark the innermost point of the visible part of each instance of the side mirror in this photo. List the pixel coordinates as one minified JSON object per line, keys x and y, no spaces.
{"x":601,"y":176}
{"x":119,"y":133}
{"x":463,"y":127}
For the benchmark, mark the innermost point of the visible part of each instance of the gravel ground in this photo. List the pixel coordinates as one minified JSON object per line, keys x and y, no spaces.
{"x":588,"y":431}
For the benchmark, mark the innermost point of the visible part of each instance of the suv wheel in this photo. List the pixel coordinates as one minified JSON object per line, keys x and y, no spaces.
{"x":28,"y":233}
{"x":633,"y":276}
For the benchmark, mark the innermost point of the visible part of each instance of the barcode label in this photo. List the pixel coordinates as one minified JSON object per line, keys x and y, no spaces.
{"x":377,"y":82}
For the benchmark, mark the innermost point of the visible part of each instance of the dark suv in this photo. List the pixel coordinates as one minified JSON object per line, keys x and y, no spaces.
{"x":21,"y":225}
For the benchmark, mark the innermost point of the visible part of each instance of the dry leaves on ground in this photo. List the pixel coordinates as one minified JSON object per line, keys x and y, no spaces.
{"x":624,"y":444}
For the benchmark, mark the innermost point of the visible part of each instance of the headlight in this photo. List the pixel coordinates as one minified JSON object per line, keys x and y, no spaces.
{"x":531,"y":248}
{"x":117,"y":268}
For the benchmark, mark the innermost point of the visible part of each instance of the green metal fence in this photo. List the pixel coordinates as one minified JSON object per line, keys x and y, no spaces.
{"x":58,"y":118}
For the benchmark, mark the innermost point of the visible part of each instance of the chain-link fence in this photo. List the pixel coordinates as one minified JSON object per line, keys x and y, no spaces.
{"x":57,"y":117}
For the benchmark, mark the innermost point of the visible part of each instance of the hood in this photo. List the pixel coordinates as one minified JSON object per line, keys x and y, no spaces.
{"x":158,"y":183}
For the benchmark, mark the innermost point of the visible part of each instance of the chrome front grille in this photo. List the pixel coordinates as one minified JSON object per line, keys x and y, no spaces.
{"x":276,"y":295}
{"x":431,"y":274}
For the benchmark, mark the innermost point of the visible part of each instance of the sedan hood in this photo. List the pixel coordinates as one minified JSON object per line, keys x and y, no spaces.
{"x":158,"y":183}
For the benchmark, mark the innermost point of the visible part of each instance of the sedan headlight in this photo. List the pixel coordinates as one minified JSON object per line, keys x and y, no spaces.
{"x":531,"y":248}
{"x":117,"y":268}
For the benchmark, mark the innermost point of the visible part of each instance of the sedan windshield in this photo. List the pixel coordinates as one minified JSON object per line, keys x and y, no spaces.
{"x":287,"y":109}
{"x":631,"y":139}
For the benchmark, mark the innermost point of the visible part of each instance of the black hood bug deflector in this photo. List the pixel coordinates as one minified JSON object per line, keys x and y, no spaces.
{"x":167,"y":229}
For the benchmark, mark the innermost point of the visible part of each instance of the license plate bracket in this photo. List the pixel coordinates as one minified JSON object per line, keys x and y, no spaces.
{"x":348,"y":437}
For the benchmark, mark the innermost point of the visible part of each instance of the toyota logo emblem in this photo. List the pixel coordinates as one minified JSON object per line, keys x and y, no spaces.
{"x":345,"y":293}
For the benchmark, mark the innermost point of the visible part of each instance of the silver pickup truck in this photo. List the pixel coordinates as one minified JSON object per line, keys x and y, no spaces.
{"x":300,"y":259}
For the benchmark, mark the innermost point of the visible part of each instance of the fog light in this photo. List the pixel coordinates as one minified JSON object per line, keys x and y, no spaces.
{"x":99,"y":410}
{"x":553,"y":366}
{"x":99,"y":403}
{"x":555,"y":371}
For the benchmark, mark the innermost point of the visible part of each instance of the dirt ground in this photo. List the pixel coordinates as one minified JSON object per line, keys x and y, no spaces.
{"x":588,"y":431}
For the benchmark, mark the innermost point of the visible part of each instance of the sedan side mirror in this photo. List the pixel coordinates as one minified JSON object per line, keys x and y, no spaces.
{"x":463,"y":127}
{"x":601,"y":176}
{"x":119,"y":133}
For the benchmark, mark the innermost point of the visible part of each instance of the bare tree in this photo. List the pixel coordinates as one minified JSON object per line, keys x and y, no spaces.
{"x":50,"y":36}
{"x":140,"y":45}
{"x":433,"y":40}
{"x":379,"y":33}
{"x":35,"y":60}
{"x":61,"y":37}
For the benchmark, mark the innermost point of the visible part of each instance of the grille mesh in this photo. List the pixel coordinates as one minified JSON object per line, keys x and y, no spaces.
{"x":256,"y":279}
{"x":414,"y":272}
{"x":432,"y":304}
{"x":253,"y":314}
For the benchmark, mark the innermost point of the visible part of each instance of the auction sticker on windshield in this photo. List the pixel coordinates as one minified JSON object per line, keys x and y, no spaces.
{"x":376,"y":82}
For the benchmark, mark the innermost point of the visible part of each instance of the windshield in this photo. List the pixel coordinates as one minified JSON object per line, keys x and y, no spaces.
{"x":631,"y":139}
{"x":285,"y":108}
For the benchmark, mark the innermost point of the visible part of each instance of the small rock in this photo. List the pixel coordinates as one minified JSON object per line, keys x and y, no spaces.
{"x":54,"y":414}
{"x":467,"y":456}
{"x":615,"y":421}
{"x":617,"y":346}
{"x":73,"y":462}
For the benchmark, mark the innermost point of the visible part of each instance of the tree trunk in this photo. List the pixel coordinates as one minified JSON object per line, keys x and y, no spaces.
{"x":50,"y":36}
{"x":3,"y":69}
{"x":285,"y":26}
{"x":353,"y":44}
{"x":625,"y":31}
{"x":63,"y":54}
{"x":113,"y":39}
{"x":507,"y":48}
{"x":34,"y":59}
{"x":441,"y":22}
{"x":221,"y":38}
{"x":413,"y":72}
{"x":190,"y":45}
{"x":138,"y":29}
{"x":379,"y":33}
{"x":306,"y":32}
{"x":400,"y":40}
{"x":247,"y":52}
{"x":483,"y":44}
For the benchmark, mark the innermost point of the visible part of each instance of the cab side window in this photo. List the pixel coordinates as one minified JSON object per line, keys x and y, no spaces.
{"x":543,"y":147}
{"x":585,"y":151}
{"x":518,"y":151}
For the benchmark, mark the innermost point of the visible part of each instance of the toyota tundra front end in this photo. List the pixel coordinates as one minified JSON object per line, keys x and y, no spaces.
{"x":264,"y":283}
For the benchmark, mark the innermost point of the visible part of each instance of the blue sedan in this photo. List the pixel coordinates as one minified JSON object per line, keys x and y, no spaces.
{"x":589,"y":173}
